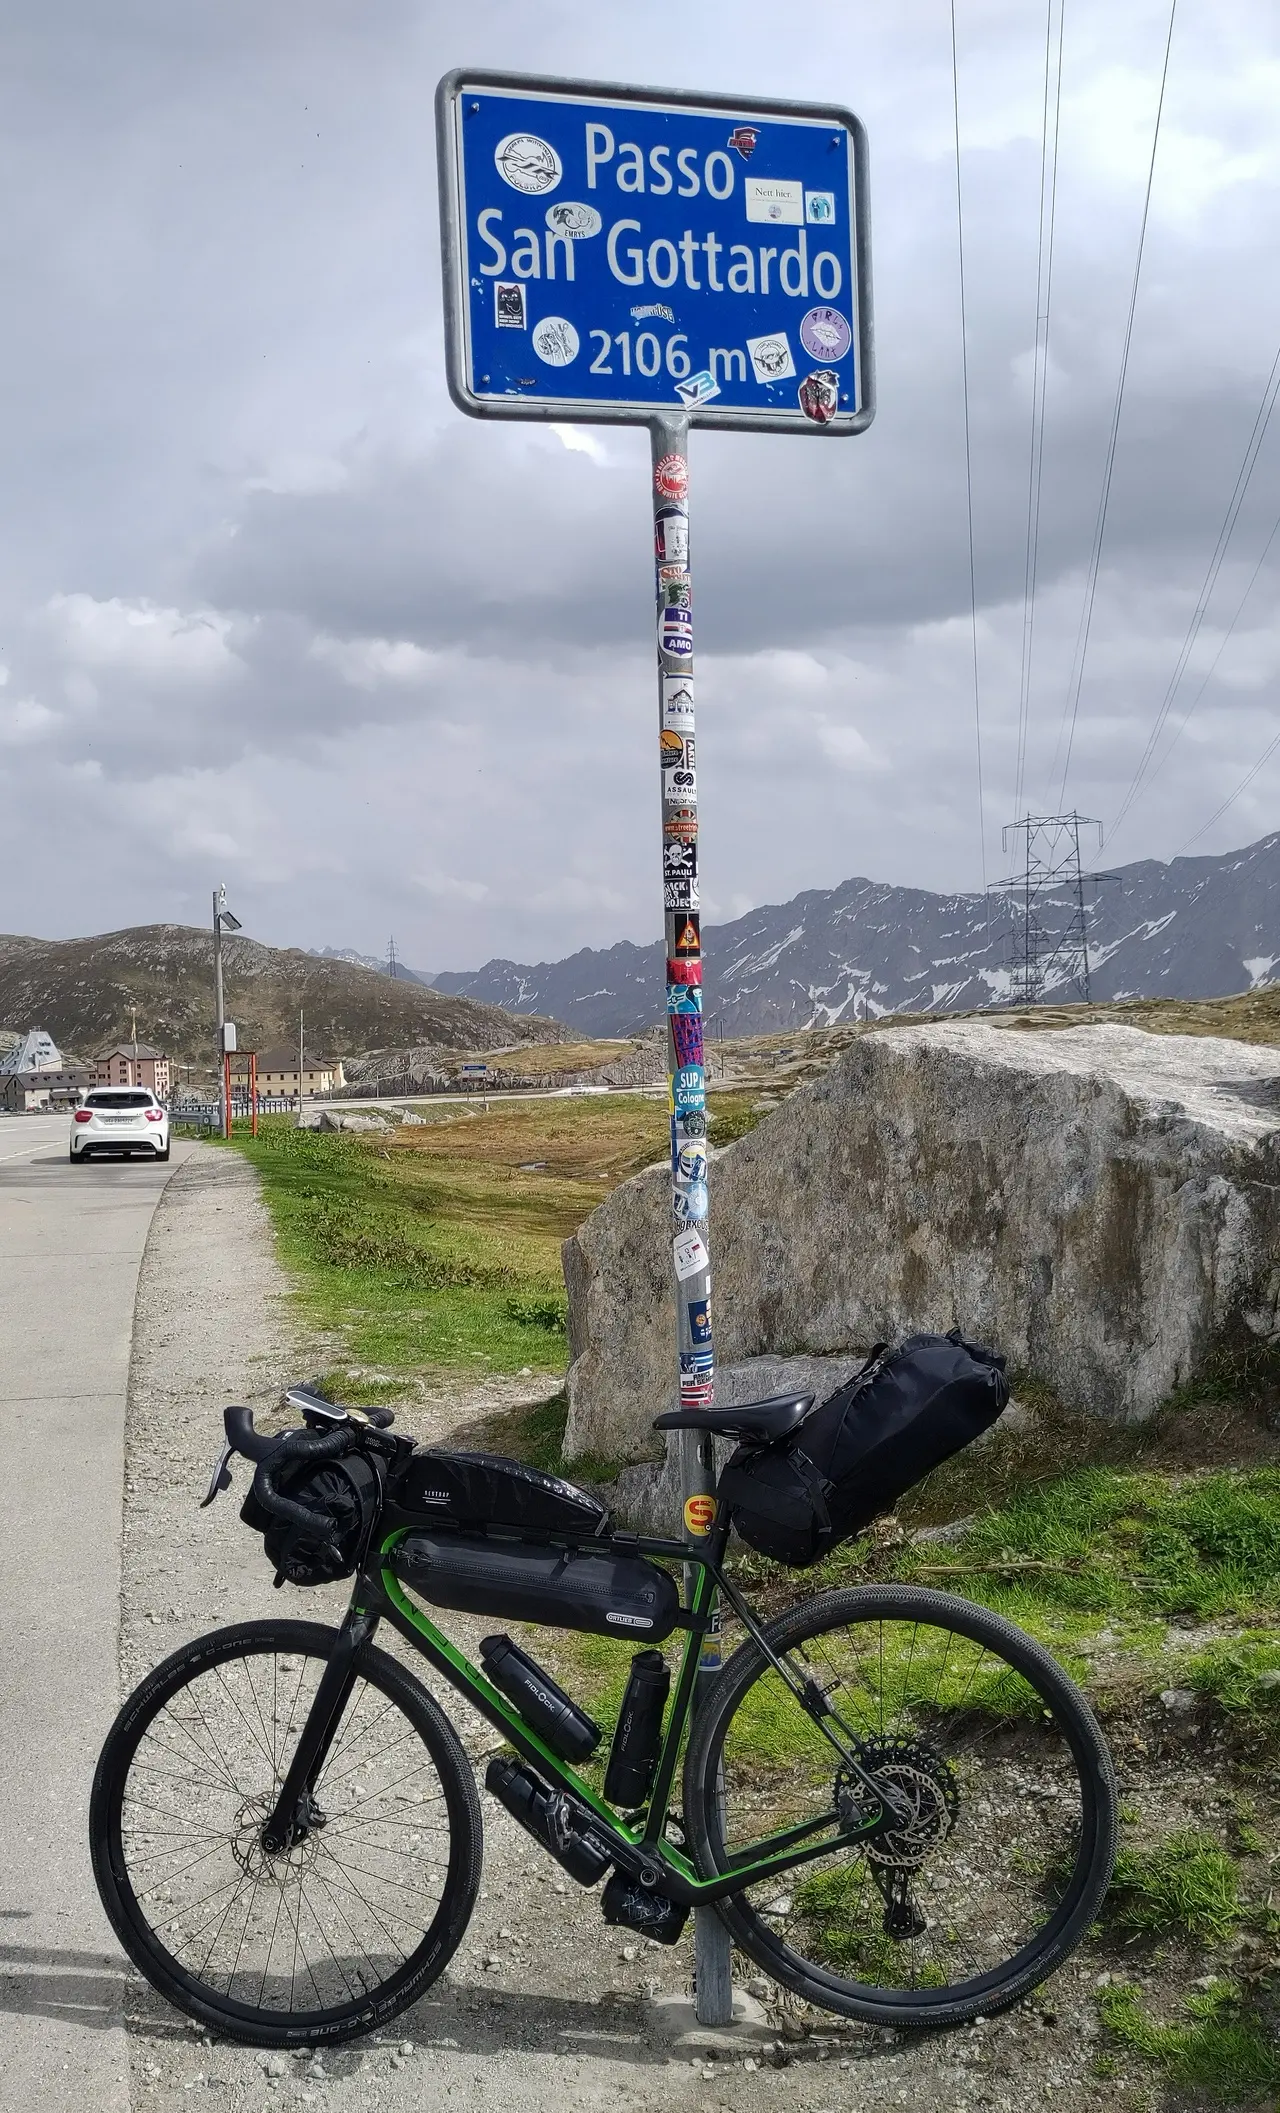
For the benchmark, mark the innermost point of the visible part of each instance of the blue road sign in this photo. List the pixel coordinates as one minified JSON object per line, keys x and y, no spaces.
{"x":613,"y":252}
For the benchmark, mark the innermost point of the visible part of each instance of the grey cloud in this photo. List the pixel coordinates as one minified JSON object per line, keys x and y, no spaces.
{"x":434,"y":703}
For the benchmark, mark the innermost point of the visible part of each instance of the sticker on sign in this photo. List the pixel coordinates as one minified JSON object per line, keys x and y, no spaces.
{"x":612,"y":252}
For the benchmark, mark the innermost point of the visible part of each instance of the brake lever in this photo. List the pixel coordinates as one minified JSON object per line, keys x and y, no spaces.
{"x":220,"y":1478}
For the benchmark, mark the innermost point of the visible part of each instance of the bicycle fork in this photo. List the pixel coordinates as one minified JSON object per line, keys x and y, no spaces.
{"x":295,"y":1811}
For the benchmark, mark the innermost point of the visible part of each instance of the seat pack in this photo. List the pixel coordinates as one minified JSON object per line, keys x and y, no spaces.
{"x":797,"y":1497}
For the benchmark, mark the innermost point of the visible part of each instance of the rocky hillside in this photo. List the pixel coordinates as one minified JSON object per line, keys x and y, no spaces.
{"x":1194,"y":928}
{"x":82,"y":991}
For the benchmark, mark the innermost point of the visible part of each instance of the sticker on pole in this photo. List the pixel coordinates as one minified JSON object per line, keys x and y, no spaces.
{"x":699,"y":1514}
{"x":690,"y":1253}
{"x":610,"y":253}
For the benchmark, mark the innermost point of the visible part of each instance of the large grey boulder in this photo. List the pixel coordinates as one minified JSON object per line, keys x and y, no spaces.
{"x":1101,"y":1204}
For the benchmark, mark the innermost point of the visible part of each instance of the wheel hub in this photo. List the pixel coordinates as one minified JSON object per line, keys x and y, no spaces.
{"x":921,"y":1802}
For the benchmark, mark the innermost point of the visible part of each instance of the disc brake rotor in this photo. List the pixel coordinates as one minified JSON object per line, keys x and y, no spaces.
{"x":922,"y":1802}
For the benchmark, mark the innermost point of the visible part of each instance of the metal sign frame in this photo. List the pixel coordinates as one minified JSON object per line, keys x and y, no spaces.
{"x":586,"y":410}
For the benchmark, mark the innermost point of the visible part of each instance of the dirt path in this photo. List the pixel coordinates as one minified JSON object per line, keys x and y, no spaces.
{"x":544,"y":2009}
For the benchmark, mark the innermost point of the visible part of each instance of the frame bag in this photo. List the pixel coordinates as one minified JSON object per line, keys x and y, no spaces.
{"x":906,"y":1412}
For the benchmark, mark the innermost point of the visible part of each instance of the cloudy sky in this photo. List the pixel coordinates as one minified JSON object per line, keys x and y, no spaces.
{"x":273,"y":612}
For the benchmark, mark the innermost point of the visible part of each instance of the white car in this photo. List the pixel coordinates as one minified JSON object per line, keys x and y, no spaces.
{"x":123,"y":1119}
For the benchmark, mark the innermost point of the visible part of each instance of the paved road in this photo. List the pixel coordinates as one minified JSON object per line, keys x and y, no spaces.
{"x":71,"y":1241}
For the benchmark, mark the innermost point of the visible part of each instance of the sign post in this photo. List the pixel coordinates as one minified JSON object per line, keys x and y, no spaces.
{"x":635,"y":256}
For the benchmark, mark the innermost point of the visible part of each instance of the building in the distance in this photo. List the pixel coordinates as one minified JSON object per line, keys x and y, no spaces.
{"x":28,"y":1092}
{"x":278,"y":1073}
{"x":35,"y":1051}
{"x":134,"y":1064}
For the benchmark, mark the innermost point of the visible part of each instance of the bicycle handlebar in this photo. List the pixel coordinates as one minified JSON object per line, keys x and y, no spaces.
{"x":274,"y":1453}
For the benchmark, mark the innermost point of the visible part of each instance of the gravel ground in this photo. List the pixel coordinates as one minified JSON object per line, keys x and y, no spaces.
{"x":543,"y":2007}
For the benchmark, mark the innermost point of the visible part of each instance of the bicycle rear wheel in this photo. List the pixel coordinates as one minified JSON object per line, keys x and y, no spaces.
{"x":333,"y":1936}
{"x":1002,"y":1846}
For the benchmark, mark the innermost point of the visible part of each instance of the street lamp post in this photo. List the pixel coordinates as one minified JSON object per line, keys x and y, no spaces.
{"x":222,"y":921}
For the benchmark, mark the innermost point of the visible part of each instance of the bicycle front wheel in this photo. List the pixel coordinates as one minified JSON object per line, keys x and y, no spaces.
{"x":332,"y":1936}
{"x":1002,"y":1838}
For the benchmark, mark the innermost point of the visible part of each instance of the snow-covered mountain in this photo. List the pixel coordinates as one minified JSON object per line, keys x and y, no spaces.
{"x":1194,"y":928}
{"x":377,"y":963}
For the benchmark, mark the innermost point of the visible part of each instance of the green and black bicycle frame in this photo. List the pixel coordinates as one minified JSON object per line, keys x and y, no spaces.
{"x":637,"y":1843}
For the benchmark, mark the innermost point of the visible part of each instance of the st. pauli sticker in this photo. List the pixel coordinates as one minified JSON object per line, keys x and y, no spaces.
{"x":819,"y":396}
{"x":689,"y":1252}
{"x":688,"y":938}
{"x":699,"y":1312}
{"x":678,"y":859}
{"x":699,"y":1515}
{"x":686,"y":1035}
{"x":671,"y":474}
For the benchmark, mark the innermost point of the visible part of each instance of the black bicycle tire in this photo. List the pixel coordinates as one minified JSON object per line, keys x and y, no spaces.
{"x":1093,"y":1871}
{"x":458,"y":1894}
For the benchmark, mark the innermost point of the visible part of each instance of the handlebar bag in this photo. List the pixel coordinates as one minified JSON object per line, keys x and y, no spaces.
{"x":897,"y":1419}
{"x":486,"y":1489}
{"x":345,"y":1491}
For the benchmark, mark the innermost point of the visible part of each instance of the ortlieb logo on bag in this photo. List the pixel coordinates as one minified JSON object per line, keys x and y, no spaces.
{"x":901,"y":1416}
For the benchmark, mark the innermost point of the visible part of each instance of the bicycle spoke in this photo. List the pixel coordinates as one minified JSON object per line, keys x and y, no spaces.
{"x":324,"y":1922}
{"x":967,"y":1866}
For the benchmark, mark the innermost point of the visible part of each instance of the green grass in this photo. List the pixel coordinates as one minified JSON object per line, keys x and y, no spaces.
{"x":1184,"y":1886}
{"x":1225,"y":2049}
{"x":1241,"y":1673}
{"x":413,"y":1263}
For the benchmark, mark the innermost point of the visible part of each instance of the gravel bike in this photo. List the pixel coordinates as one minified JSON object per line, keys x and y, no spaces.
{"x":898,"y":1803}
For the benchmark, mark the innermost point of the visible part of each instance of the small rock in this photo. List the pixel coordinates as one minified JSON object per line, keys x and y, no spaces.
{"x":407,"y":2047}
{"x":1179,"y":1700}
{"x":275,"y":2065}
{"x":760,"y":1988}
{"x":749,"y":2063}
{"x":504,"y":1936}
{"x":628,"y":1951}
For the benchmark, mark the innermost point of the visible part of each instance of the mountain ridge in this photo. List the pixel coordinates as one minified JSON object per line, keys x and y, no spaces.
{"x":83,"y":992}
{"x":1184,"y":928}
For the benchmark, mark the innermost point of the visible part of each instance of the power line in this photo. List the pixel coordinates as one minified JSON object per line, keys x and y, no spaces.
{"x":1146,"y":770}
{"x":1245,"y":782}
{"x":1072,"y":706}
{"x":1039,"y":379}
{"x":968,"y":453}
